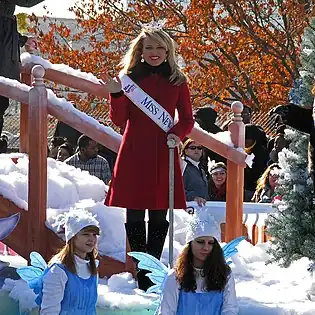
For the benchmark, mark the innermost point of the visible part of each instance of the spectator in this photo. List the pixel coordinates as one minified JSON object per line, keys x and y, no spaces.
{"x":279,"y":144}
{"x":206,"y":118}
{"x":65,"y":131}
{"x":87,"y":159}
{"x":266,"y":184}
{"x":107,"y":154}
{"x":55,"y":143}
{"x":217,"y":182}
{"x":3,"y":144}
{"x":255,"y":139}
{"x":64,"y":152}
{"x":195,"y":179}
{"x":279,"y":131}
{"x":247,"y":114}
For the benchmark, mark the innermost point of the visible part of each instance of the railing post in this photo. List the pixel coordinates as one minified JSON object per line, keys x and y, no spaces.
{"x":37,"y":183}
{"x":235,"y":179}
{"x":26,"y":78}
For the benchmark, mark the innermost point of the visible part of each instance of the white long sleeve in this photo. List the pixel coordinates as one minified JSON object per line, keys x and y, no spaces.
{"x":230,"y":305}
{"x":54,"y":284}
{"x":170,"y":294}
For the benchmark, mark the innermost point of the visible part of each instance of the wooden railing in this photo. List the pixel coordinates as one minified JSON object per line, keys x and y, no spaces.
{"x":235,"y":158}
{"x":33,"y":140}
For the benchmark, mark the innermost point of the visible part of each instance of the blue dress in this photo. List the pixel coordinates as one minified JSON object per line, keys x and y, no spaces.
{"x":199,"y":303}
{"x":80,"y":295}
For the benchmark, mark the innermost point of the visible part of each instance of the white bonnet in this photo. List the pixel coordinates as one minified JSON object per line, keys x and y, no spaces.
{"x":203,"y":224}
{"x":74,"y":221}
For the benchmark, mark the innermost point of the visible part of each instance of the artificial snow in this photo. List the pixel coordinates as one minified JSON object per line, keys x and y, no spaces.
{"x":261,"y":289}
{"x":68,"y":188}
{"x":27,"y":58}
{"x":64,"y":105}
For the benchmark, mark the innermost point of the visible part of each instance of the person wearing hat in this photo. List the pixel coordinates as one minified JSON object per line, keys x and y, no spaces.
{"x":70,"y":284}
{"x":195,"y":179}
{"x":217,"y":182}
{"x":201,"y":282}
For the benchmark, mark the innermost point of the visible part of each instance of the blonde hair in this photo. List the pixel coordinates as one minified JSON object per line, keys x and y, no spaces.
{"x":66,"y":254}
{"x":133,"y":55}
{"x":264,"y":181}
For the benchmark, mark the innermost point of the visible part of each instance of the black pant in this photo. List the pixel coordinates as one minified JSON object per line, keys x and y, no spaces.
{"x":136,"y":233}
{"x":4,"y":104}
{"x":155,"y":216}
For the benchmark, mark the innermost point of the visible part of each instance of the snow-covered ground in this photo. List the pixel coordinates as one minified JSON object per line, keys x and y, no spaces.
{"x":261,"y":289}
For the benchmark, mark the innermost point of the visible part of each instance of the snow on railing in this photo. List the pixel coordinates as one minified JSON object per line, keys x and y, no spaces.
{"x":254,"y":216}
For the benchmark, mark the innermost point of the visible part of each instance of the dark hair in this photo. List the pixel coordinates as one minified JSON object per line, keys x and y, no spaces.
{"x":248,"y":108}
{"x":58,"y":141}
{"x":215,"y":270}
{"x":3,"y":144}
{"x":280,"y":129}
{"x":83,"y":142}
{"x":67,"y":146}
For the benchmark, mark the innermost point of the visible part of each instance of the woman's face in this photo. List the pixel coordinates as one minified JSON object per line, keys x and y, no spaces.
{"x":201,"y":248}
{"x":153,"y":52}
{"x":84,"y":242}
{"x":273,"y":178}
{"x":219,"y":178}
{"x":62,"y":154}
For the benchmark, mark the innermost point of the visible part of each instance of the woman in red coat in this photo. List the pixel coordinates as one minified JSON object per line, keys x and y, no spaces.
{"x":140,"y":177}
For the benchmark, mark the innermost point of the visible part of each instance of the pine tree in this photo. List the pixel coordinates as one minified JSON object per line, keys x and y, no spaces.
{"x":301,"y":94}
{"x":292,"y":226}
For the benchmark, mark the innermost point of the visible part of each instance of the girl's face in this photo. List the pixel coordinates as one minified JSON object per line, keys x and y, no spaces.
{"x":201,"y":248}
{"x":153,"y":52}
{"x":84,"y":242}
{"x":219,"y":178}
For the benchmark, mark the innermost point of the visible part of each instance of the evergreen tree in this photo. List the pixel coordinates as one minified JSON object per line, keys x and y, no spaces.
{"x":292,"y":226}
{"x":301,"y":94}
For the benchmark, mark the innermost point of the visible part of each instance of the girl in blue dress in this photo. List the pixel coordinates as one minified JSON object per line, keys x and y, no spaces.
{"x":70,"y":284}
{"x":201,"y":282}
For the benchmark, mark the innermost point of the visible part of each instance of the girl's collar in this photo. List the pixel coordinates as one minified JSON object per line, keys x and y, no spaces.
{"x":80,"y":260}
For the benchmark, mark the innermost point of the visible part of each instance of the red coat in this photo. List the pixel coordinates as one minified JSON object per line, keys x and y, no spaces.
{"x":141,"y":173}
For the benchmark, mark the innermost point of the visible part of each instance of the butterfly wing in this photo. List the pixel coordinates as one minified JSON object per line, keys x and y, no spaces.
{"x":230,"y":249}
{"x":7,"y":225}
{"x":34,"y":274}
{"x":157,"y":271}
{"x":29,"y":273}
{"x":38,"y":261}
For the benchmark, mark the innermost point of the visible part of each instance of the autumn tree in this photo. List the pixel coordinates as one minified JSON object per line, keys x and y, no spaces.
{"x":245,"y":50}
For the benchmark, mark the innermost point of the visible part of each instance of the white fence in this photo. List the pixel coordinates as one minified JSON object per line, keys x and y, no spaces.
{"x":254,"y":216}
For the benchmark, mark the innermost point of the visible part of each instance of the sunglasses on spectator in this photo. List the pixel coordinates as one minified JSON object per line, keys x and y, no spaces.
{"x":195,"y":147}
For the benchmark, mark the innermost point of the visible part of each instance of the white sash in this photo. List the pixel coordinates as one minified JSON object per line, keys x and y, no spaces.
{"x":147,"y":104}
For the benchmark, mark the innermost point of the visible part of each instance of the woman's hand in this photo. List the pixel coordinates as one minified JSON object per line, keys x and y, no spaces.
{"x":31,"y":44}
{"x":200,"y":201}
{"x":110,"y":84}
{"x":172,"y":136}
